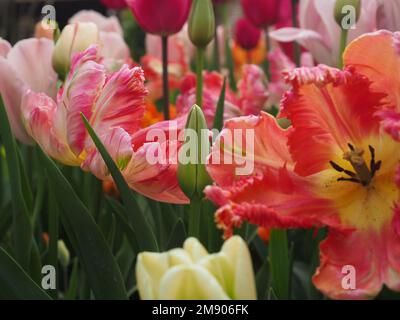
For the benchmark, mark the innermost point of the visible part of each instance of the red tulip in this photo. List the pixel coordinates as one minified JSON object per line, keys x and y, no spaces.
{"x":246,"y":34}
{"x":262,"y":13}
{"x":163,"y":17}
{"x":114,"y":4}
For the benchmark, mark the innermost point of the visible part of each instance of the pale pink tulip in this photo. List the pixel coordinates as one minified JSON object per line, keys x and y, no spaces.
{"x":25,"y":66}
{"x":319,"y":33}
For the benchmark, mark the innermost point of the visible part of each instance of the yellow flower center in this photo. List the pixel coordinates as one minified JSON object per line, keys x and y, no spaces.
{"x":361,"y":187}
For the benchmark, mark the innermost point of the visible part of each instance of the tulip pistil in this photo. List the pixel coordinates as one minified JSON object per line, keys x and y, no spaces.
{"x":362,"y":174}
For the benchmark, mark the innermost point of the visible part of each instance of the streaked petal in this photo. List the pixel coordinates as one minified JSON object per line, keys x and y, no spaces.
{"x":118,"y":144}
{"x":328,"y":108}
{"x":121,"y":101}
{"x":39,"y":113}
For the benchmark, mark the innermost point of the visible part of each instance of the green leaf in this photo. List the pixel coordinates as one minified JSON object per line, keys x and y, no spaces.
{"x":15,"y":283}
{"x":22,"y":227}
{"x":144,"y":233}
{"x":279,"y":263}
{"x":219,"y":116}
{"x":101,"y":269}
{"x":177,"y":236}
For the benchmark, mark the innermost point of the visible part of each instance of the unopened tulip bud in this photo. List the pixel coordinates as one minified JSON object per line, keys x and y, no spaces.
{"x":201,"y":23}
{"x":193,"y":273}
{"x":63,"y":253}
{"x":74,"y":38}
{"x":347,"y":13}
{"x":192,"y":174}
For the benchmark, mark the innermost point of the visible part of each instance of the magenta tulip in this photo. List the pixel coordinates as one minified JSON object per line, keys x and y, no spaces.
{"x":246,"y":34}
{"x":262,"y":13}
{"x":163,"y":17}
{"x":114,"y":4}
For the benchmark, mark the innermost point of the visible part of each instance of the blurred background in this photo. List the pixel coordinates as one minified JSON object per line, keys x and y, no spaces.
{"x":18,"y":17}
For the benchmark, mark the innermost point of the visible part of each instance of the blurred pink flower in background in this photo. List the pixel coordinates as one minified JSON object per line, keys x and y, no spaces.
{"x":25,"y":66}
{"x":161,"y":17}
{"x":251,"y":98}
{"x":319,"y":33}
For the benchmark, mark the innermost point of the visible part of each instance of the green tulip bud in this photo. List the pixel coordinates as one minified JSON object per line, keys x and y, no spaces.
{"x":63,"y":253}
{"x":347,"y":13}
{"x":201,"y":23}
{"x":192,"y":174}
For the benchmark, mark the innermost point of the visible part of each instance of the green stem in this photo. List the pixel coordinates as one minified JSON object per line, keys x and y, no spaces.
{"x":266,"y":63}
{"x":164,"y":40}
{"x":199,"y":81}
{"x":297,"y":50}
{"x":194,"y":217}
{"x":343,"y":43}
{"x":279,"y":263}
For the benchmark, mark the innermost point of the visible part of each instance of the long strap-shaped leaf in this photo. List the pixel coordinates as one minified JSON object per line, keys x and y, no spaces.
{"x":22,"y":227}
{"x":103,"y":273}
{"x":15,"y":283}
{"x":144,"y":233}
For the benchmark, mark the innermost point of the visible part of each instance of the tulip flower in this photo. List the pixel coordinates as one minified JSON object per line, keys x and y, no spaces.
{"x":334,"y":167}
{"x":25,"y":66}
{"x":164,"y":18}
{"x":246,"y":34}
{"x":113,"y":103}
{"x":192,"y":273}
{"x":319,"y":33}
{"x":114,"y":4}
{"x":74,"y":38}
{"x":261,"y":13}
{"x":251,"y":98}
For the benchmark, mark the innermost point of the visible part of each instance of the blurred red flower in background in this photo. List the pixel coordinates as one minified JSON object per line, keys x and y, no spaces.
{"x":162,"y":17}
{"x":246,"y":34}
{"x":114,"y":4}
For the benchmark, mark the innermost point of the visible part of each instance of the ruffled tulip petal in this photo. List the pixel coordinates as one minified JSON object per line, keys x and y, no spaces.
{"x":186,"y":282}
{"x":374,"y":257}
{"x":121,"y":101}
{"x":39,"y":113}
{"x":381,"y":63}
{"x":84,"y":83}
{"x":118,"y":144}
{"x":329,"y":109}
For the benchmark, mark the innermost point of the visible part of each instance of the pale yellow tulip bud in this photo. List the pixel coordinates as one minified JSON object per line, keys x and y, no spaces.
{"x":193,"y":273}
{"x":74,"y":38}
